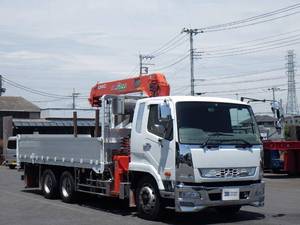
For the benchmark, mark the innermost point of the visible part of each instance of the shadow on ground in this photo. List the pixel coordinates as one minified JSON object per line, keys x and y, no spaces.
{"x":280,"y":175}
{"x":120,"y":207}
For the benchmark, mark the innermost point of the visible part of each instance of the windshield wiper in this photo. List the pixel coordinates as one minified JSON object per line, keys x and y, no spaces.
{"x":245,"y":143}
{"x":215,"y":134}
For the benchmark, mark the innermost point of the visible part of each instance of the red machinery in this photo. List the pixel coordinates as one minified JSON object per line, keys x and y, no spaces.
{"x":291,"y":151}
{"x":152,"y":85}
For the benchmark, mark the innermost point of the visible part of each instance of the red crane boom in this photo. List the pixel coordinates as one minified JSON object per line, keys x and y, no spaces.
{"x":152,"y":85}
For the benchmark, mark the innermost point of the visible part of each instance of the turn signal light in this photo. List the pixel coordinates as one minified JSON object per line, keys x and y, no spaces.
{"x":167,"y":174}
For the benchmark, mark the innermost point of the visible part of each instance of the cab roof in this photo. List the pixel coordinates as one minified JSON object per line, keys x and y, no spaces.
{"x":199,"y":99}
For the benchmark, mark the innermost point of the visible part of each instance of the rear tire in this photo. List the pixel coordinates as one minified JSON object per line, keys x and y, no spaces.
{"x":12,"y":167}
{"x":148,"y":200}
{"x":49,"y":184}
{"x":67,"y":187}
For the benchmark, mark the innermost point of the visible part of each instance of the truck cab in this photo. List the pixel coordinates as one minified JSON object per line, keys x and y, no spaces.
{"x":200,"y":151}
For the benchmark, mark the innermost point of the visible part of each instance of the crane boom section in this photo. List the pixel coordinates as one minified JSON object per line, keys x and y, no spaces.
{"x":152,"y":85}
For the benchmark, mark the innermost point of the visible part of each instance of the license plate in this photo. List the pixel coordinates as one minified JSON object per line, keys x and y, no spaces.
{"x":230,"y":194}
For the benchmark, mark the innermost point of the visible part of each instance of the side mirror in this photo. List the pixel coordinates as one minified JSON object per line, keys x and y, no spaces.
{"x":164,"y":112}
{"x":278,"y":114}
{"x":276,"y":109}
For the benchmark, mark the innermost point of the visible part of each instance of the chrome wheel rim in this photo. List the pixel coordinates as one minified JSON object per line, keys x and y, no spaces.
{"x":48,"y":184}
{"x":66,"y":187}
{"x":147,"y":199}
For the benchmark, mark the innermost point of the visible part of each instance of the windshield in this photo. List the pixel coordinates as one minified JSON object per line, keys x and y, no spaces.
{"x":216,"y":123}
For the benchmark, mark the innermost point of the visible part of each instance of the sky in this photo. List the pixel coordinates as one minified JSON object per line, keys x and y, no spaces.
{"x":57,"y":46}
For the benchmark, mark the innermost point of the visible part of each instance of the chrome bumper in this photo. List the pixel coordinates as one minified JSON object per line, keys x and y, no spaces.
{"x":196,"y":198}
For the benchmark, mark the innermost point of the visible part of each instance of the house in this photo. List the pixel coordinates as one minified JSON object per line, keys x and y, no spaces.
{"x":14,"y":107}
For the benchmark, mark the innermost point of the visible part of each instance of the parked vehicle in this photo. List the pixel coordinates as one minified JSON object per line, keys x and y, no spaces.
{"x":10,"y":152}
{"x":182,"y":151}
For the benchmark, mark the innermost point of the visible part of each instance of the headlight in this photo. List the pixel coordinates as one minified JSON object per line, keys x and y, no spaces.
{"x":227,"y":172}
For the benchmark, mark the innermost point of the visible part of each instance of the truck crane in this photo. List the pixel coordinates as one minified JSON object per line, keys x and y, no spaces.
{"x":187,"y":152}
{"x":152,"y":85}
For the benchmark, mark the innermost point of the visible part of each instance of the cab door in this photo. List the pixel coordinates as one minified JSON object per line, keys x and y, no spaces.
{"x":158,"y":143}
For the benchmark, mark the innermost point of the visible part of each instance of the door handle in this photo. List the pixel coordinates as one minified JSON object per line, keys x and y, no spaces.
{"x":146,"y":146}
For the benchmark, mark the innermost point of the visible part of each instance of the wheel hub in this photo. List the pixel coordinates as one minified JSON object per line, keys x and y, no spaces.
{"x":48,"y":184}
{"x":66,"y":187}
{"x":147,"y":198}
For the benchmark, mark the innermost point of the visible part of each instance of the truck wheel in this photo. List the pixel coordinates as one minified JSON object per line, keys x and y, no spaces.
{"x":229,"y":210}
{"x":148,"y":200}
{"x":49,"y":184}
{"x":12,"y":167}
{"x":67,"y":187}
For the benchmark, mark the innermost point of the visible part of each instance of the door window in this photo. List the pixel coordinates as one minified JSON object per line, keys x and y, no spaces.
{"x":154,"y":123}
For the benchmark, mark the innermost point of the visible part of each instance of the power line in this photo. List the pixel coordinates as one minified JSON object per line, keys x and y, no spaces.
{"x":246,"y":89}
{"x":253,"y":73}
{"x":210,"y":48}
{"x":170,"y":42}
{"x":52,"y":100}
{"x":31,"y":90}
{"x":245,"y":47}
{"x":258,"y":18}
{"x":171,"y":47}
{"x":173,"y":64}
{"x":246,"y":81}
{"x":253,"y":50}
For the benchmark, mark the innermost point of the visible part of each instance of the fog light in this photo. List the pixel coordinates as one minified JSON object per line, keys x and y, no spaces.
{"x":260,"y":192}
{"x":189,"y":194}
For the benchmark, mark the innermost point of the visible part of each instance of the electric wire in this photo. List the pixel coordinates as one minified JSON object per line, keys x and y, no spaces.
{"x":253,"y":50}
{"x":31,"y":90}
{"x":258,"y":18}
{"x":214,"y":47}
{"x":167,"y":44}
{"x":172,"y":47}
{"x":253,"y":73}
{"x":245,"y":89}
{"x":173,"y":63}
{"x":260,"y":44}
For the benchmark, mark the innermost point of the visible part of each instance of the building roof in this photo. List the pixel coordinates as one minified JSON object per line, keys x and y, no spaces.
{"x":17,"y":104}
{"x":52,"y":123}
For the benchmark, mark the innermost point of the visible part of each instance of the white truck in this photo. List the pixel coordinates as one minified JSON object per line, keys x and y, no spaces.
{"x":182,"y":151}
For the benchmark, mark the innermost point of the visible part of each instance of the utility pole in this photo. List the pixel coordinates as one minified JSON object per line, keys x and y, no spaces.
{"x":144,"y":65}
{"x":192,"y":32}
{"x":237,"y":96}
{"x":2,"y":90}
{"x":74,"y":96}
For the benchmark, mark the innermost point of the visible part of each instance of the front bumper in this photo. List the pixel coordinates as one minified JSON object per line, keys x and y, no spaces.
{"x":196,"y":198}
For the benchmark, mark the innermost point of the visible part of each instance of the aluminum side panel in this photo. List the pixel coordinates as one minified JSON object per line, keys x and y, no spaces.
{"x":60,"y":150}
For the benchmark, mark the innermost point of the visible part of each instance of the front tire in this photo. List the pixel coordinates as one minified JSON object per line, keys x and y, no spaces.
{"x":148,"y":200}
{"x":49,"y":184}
{"x":67,"y":187}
